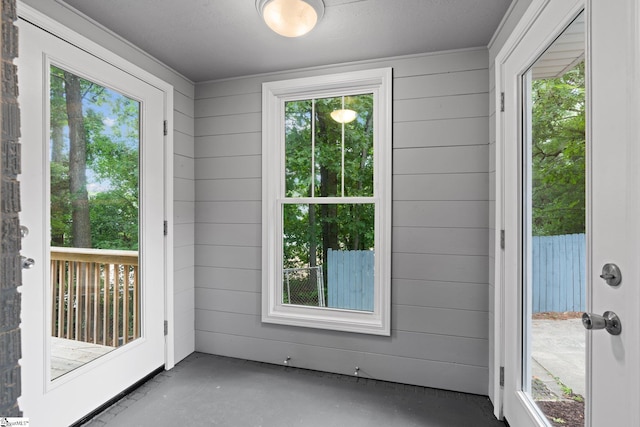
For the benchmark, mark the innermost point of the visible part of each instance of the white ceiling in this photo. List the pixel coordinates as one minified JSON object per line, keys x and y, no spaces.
{"x":214,"y":39}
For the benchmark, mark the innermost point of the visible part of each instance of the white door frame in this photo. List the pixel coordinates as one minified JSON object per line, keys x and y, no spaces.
{"x":28,"y":13}
{"x":613,"y":111}
{"x":507,"y":189}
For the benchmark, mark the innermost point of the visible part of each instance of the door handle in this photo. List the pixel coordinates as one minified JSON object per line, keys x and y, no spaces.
{"x":27,"y":263}
{"x":609,"y":321}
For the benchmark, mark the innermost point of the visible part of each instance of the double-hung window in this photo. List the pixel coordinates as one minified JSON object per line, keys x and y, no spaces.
{"x":327,"y":201}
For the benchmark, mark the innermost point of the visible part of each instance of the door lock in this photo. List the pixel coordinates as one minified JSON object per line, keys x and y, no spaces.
{"x":611,"y":274}
{"x":609,"y":321}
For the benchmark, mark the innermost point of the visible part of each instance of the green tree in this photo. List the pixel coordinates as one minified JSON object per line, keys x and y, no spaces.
{"x":94,"y":137}
{"x":114,"y":159}
{"x":60,"y":198}
{"x":80,"y":224}
{"x":558,"y":154}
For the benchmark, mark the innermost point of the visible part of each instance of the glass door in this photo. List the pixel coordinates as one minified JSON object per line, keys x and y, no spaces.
{"x":94,"y":176}
{"x":536,"y":391}
{"x":554,"y":226}
{"x":93,"y":199}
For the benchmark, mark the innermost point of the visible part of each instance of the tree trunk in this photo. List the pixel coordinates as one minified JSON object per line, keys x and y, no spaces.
{"x":57,"y":151}
{"x":356,"y":208}
{"x":81,"y":226}
{"x":328,"y":187}
{"x":57,"y":136}
{"x":329,"y":213}
{"x":313,"y":249}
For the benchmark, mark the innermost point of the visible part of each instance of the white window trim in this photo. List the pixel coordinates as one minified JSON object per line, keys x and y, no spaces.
{"x":274,"y":96}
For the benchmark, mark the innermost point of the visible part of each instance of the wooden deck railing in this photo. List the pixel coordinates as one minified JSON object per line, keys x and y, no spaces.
{"x":96,"y":295}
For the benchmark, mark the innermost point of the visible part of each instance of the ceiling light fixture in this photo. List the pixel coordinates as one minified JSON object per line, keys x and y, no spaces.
{"x":290,"y":18}
{"x":343,"y":115}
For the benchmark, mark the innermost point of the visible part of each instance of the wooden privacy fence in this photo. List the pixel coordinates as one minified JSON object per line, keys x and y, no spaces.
{"x":558,"y":272}
{"x":350,"y":279}
{"x":95,"y":295}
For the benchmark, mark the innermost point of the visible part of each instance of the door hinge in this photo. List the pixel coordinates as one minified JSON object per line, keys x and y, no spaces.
{"x":166,"y":228}
{"x":501,"y":102}
{"x":166,"y":328}
{"x":501,"y":239}
{"x":501,"y":376}
{"x":165,"y":128}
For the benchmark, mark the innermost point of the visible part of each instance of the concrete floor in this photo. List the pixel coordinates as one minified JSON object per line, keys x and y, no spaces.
{"x":207,"y":390}
{"x":559,"y":348}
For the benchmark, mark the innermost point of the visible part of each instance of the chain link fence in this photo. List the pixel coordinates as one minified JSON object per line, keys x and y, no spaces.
{"x":303,"y":286}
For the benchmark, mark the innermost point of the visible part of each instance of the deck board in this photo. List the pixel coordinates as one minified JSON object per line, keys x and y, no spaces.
{"x":67,"y":355}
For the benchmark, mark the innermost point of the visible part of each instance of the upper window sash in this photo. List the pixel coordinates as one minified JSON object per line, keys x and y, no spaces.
{"x":329,"y":146}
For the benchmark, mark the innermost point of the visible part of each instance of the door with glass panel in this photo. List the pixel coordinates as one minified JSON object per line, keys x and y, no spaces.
{"x":570,"y":217}
{"x":92,"y":185}
{"x":553,"y":233}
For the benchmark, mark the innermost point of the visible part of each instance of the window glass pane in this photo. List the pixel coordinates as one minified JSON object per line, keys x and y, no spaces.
{"x":358,"y":152}
{"x":328,"y":258}
{"x":328,"y":149}
{"x":553,"y":256}
{"x":94,"y":151}
{"x":329,"y":141}
{"x":298,"y":146}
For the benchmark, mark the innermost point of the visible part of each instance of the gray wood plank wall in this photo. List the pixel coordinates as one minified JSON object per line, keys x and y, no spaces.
{"x":183,"y":223}
{"x":441,"y":217}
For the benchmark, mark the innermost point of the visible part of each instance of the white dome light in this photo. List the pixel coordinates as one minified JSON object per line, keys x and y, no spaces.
{"x":291,"y":18}
{"x":344,"y":115}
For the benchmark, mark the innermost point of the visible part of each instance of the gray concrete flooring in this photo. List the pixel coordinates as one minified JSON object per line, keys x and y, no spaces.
{"x":207,"y":390}
{"x":558,"y":353}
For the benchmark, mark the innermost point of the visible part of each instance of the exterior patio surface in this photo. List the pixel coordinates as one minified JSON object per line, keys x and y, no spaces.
{"x":559,"y":354}
{"x":67,"y":355}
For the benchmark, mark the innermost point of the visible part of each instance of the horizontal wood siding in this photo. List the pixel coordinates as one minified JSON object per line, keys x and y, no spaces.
{"x":440,"y":232}
{"x":183,"y":224}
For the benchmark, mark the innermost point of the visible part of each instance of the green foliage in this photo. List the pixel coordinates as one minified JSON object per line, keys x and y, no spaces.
{"x":114,"y":222}
{"x":558,"y":154}
{"x":316,"y":164}
{"x":567,"y":391}
{"x":111,"y":123}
